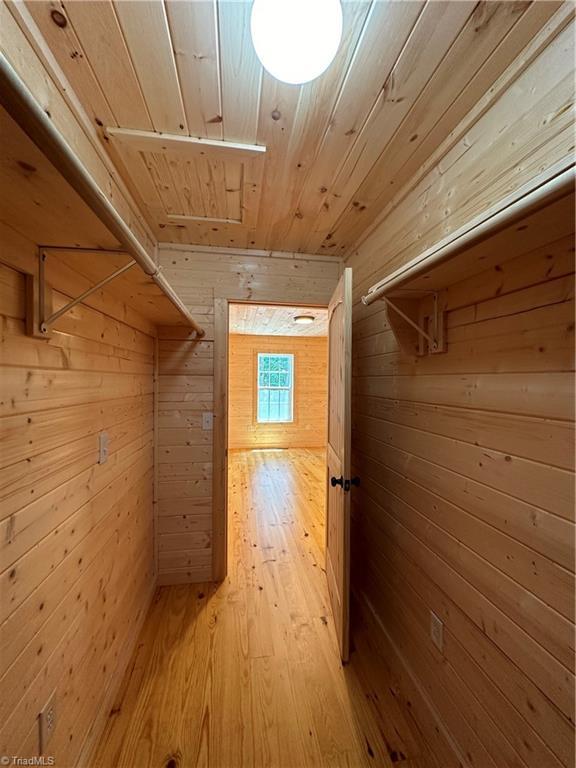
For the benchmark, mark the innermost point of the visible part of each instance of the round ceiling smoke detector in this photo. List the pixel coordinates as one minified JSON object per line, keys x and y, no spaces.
{"x":296,"y":40}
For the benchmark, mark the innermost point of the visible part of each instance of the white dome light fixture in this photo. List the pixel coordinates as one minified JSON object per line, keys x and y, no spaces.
{"x":304,"y":319}
{"x":296,"y":40}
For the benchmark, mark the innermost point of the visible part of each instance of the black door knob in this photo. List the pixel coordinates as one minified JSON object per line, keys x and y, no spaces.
{"x":336,"y":481}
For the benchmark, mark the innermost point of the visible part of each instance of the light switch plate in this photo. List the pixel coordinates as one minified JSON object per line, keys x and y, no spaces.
{"x":103,"y":447}
{"x":207,"y":420}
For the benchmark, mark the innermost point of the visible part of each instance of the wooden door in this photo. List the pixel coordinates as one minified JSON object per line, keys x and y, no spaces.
{"x":220,"y":444}
{"x":338,"y":457}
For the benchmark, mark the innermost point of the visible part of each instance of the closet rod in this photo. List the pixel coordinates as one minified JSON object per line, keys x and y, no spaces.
{"x":35,"y":122}
{"x":474,"y":233}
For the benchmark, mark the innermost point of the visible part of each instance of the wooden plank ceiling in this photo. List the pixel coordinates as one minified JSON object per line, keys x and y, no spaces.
{"x":267,"y":320}
{"x":337,"y":149}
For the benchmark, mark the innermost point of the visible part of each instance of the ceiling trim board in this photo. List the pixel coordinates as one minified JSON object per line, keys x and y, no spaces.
{"x":166,"y":245}
{"x":149,"y":141}
{"x":177,"y":219}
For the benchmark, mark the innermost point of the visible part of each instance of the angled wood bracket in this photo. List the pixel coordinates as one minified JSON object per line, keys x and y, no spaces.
{"x":39,"y":315}
{"x":418,"y":323}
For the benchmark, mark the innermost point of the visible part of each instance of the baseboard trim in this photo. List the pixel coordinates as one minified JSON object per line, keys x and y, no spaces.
{"x":92,"y":738}
{"x":368,"y":613}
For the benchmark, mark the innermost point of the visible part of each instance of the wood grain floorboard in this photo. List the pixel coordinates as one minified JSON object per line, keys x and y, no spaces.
{"x":247,"y":673}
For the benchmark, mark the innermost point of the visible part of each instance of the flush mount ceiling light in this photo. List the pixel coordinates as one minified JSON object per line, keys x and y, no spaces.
{"x":304,"y":319}
{"x":296,"y":40}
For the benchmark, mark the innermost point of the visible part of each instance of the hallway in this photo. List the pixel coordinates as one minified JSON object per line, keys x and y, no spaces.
{"x":272,"y":691}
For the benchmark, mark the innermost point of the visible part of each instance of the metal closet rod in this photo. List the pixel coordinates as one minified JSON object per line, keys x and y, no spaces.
{"x":35,"y":122}
{"x":518,"y":209}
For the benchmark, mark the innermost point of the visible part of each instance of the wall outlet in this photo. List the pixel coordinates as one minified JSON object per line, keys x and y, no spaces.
{"x":103,"y":442}
{"x":437,"y":631}
{"x":47,"y":723}
{"x":207,"y":420}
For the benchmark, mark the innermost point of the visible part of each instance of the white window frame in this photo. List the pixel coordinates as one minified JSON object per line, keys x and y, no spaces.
{"x":289,"y":355}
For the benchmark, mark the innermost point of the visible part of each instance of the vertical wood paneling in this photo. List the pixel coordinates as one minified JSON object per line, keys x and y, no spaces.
{"x":241,"y":72}
{"x":147,"y":35}
{"x":405,"y":77}
{"x":193,"y":29}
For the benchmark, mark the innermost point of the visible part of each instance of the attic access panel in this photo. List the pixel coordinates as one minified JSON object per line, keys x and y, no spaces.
{"x":181,"y":179}
{"x":197,"y":188}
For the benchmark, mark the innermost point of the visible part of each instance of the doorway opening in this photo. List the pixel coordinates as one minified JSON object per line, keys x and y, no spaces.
{"x":265,"y":383}
{"x":277,"y":409}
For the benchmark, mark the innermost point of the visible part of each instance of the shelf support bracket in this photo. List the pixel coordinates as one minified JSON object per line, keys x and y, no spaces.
{"x":419,"y":328}
{"x":40,"y":317}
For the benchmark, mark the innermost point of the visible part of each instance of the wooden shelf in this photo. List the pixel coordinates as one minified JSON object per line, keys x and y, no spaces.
{"x":62,"y":222}
{"x":415,"y":292}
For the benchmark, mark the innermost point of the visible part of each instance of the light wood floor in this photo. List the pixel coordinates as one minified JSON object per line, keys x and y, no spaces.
{"x":247,"y":673}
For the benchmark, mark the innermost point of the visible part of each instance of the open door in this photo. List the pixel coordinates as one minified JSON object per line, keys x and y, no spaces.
{"x":338,"y":457}
{"x":220,"y":443}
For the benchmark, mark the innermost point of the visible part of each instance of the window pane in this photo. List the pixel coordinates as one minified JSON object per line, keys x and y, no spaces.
{"x":284,"y":379}
{"x":263,"y":405}
{"x":273,"y":411}
{"x":274,"y":363}
{"x":284,"y":408}
{"x":274,"y":379}
{"x":264,"y":379}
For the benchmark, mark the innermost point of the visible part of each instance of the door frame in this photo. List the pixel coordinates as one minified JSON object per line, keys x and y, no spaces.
{"x":220,"y":427}
{"x":220,"y":443}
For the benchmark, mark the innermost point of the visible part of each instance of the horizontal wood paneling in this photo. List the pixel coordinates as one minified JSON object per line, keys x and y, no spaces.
{"x":525,"y":133}
{"x":76,"y":553}
{"x":474,"y":495}
{"x":466,"y":458}
{"x":184,"y":458}
{"x":308,"y":429}
{"x":485,"y":517}
{"x":200,"y":276}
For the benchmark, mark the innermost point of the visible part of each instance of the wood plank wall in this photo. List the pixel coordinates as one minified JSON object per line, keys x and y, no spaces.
{"x":308,"y":429}
{"x":200,"y":276}
{"x":76,"y":543}
{"x":185,"y":389}
{"x":466,"y":506}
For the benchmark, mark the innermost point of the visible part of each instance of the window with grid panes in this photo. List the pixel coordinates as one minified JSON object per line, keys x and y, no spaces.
{"x":275,"y":387}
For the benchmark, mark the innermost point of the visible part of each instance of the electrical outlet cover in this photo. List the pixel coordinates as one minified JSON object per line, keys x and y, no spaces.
{"x":207,"y":420}
{"x":437,"y":631}
{"x":47,"y":722}
{"x":103,"y":447}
